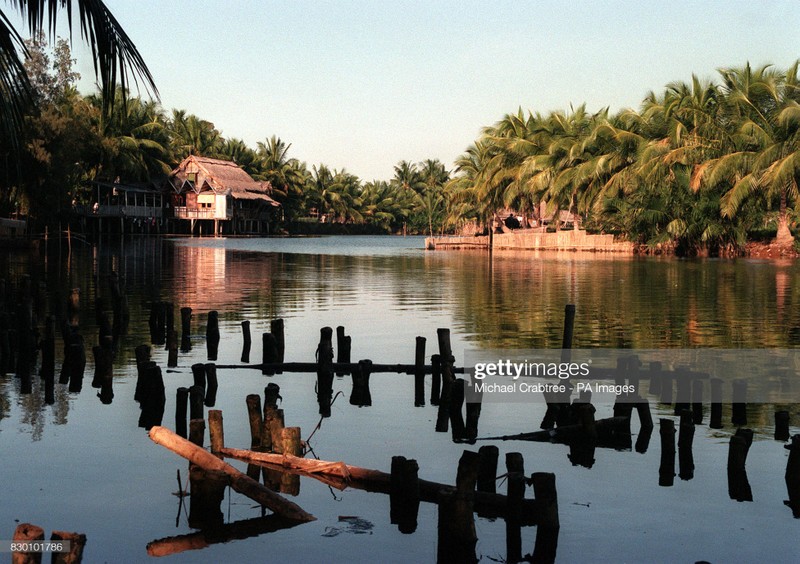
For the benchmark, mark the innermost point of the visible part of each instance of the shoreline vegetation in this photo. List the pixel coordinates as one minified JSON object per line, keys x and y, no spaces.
{"x":702,"y":168}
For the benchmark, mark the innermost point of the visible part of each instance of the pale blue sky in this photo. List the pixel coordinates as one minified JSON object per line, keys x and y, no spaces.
{"x":364,"y":84}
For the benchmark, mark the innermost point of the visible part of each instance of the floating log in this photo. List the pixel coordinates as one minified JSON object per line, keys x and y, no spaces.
{"x":212,"y":334}
{"x":239,"y":482}
{"x":601,"y":429}
{"x":341,"y":475}
{"x":246,"y":341}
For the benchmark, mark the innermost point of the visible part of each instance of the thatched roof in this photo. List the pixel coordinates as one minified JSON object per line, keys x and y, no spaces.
{"x":221,"y":177}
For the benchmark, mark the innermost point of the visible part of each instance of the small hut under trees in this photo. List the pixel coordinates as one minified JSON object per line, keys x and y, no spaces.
{"x":216,"y":197}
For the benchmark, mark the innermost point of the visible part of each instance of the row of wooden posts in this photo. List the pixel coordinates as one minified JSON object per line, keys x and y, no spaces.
{"x":66,"y":547}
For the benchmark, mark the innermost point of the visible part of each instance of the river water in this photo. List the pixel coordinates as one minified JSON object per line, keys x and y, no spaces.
{"x":82,"y":465}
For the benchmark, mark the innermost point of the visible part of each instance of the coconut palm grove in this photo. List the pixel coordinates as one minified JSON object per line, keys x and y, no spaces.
{"x":700,"y":167}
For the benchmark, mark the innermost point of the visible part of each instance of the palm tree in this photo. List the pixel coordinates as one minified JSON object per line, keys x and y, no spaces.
{"x":116,"y":58}
{"x":287,"y":175}
{"x":191,"y":135}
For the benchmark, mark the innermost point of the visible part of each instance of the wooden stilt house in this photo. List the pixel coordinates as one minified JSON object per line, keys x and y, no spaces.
{"x":212,"y":197}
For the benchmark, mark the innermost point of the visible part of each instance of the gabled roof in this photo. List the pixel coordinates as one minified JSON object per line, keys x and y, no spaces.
{"x":223,"y":177}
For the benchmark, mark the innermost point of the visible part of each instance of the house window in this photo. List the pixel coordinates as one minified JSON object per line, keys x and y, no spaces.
{"x":191,"y":177}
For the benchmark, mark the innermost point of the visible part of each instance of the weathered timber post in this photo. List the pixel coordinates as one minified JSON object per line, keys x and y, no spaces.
{"x":343,"y":345}
{"x":276,"y":328}
{"x":716,"y":404}
{"x":404,"y":494}
{"x":739,"y":406}
{"x":211,"y":384}
{"x":153,"y":397}
{"x":196,"y":396}
{"x":655,"y":379}
{"x":547,"y":528}
{"x":77,"y":541}
{"x":782,"y":425}
{"x":685,"y":441}
{"x":666,"y":388}
{"x":27,"y":532}
{"x":436,"y":378}
{"x":246,"y":341}
{"x":172,"y":348}
{"x":276,"y":424}
{"x":48,"y":368}
{"x":212,"y":335}
{"x":666,"y":470}
{"x":271,"y":397}
{"x":254,"y":416}
{"x":419,"y":372}
{"x":446,"y":359}
{"x":197,"y":431}
{"x":216,"y":432}
{"x":105,"y":332}
{"x":683,"y":392}
{"x":269,"y":352}
{"x":697,"y":401}
{"x":792,"y":475}
{"x":186,"y":329}
{"x":6,"y":356}
{"x":487,"y":468}
{"x":557,"y":405}
{"x":456,"y":407}
{"x":181,"y":411}
{"x":74,"y":307}
{"x":77,"y":362}
{"x":515,"y":494}
{"x":457,"y":538}
{"x":474,"y":399}
{"x":290,"y":439}
{"x":169,"y":320}
{"x":325,"y":371}
{"x":103,"y":367}
{"x":360,"y":395}
{"x":738,"y":484}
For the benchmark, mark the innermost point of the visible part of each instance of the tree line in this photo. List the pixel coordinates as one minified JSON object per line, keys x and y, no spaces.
{"x":702,"y":166}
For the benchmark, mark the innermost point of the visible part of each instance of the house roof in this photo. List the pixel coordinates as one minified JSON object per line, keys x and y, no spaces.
{"x":223,"y":177}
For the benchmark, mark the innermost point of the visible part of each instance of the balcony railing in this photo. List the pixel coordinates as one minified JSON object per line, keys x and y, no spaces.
{"x":182,"y":212}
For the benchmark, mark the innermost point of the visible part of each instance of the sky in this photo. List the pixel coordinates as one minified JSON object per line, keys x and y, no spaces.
{"x":362,"y":85}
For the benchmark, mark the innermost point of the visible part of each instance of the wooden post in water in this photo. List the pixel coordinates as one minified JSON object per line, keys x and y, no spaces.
{"x":666,"y":470}
{"x":199,"y":375}
{"x":343,"y":344}
{"x":26,"y":532}
{"x":290,"y":439}
{"x":154,"y":397}
{"x":487,"y":468}
{"x":782,"y":425}
{"x":197,"y":431}
{"x":683,"y":393}
{"x":254,"y":416}
{"x":172,"y":348}
{"x":556,"y":405}
{"x":271,"y":397}
{"x":48,"y":368}
{"x":77,"y":541}
{"x":738,"y":484}
{"x":269,"y":352}
{"x":739,"y":406}
{"x":360,"y":394}
{"x":212,"y":335}
{"x":325,"y":371}
{"x":515,"y":495}
{"x":216,"y":432}
{"x":211,"y":383}
{"x":419,"y":372}
{"x":655,"y":379}
{"x":436,"y":378}
{"x":181,"y":411}
{"x":474,"y":399}
{"x":196,"y":396}
{"x":685,"y":441}
{"x":547,"y":528}
{"x":246,"y":341}
{"x":446,"y":359}
{"x":186,"y":329}
{"x":276,"y":424}
{"x":792,"y":475}
{"x":276,"y":328}
{"x":404,"y":494}
{"x":716,"y":404}
{"x":456,"y":410}
{"x":207,"y":489}
{"x":457,"y":538}
{"x":697,"y":401}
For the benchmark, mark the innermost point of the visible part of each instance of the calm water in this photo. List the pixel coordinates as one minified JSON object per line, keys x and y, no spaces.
{"x":84,"y":466}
